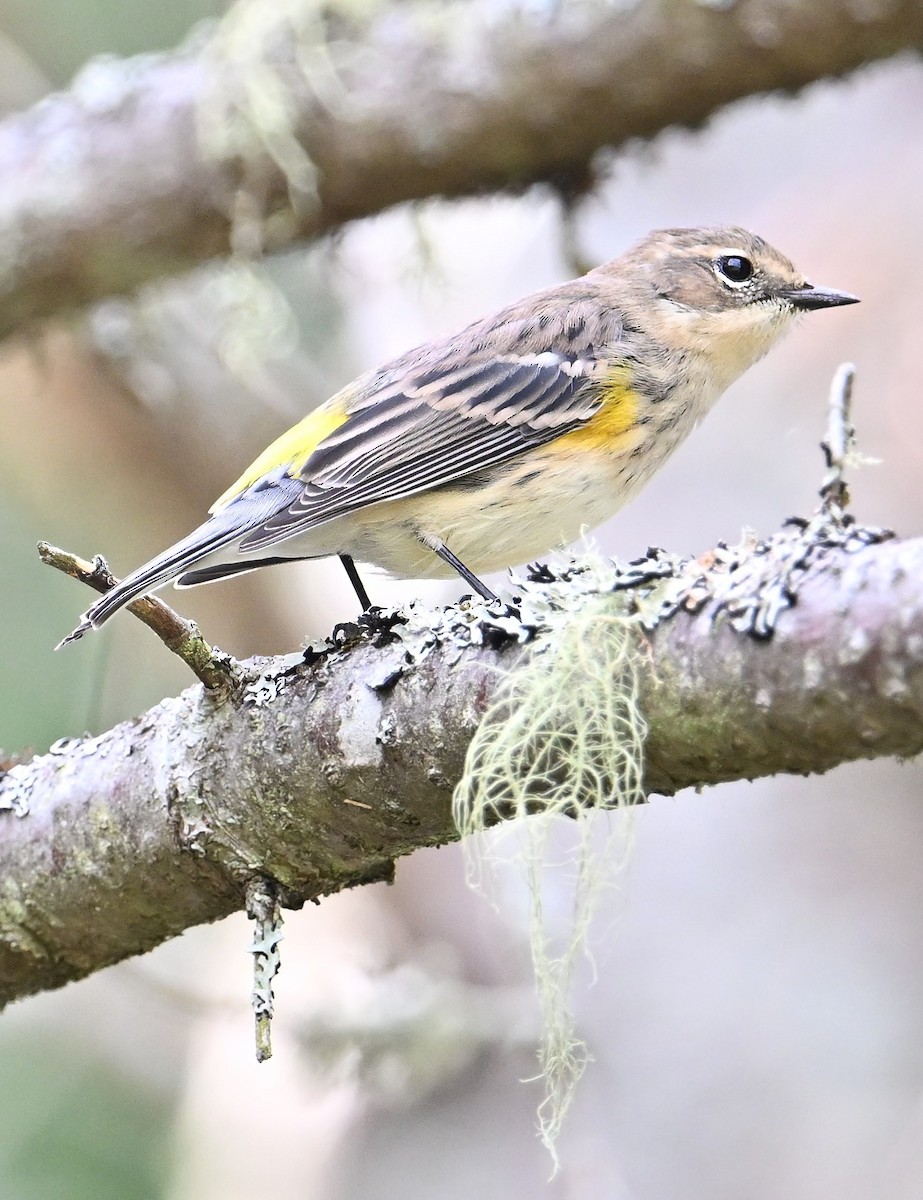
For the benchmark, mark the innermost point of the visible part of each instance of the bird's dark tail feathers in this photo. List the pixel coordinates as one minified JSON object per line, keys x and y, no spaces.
{"x":191,"y":579}
{"x":213,"y":535}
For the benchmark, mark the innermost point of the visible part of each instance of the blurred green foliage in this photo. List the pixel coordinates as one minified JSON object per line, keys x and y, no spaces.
{"x":75,"y":1129}
{"x":61,"y":35}
{"x":42,"y":696}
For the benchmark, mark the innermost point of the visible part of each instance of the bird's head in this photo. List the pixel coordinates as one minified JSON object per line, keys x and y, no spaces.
{"x":722,"y":293}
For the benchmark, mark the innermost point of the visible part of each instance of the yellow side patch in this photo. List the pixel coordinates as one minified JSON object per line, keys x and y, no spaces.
{"x":617,"y":416}
{"x":292,"y":450}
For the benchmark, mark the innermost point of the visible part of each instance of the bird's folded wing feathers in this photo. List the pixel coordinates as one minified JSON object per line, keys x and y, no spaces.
{"x":433,"y":426}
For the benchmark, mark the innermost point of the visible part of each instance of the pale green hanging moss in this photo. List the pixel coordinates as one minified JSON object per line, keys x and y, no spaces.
{"x":564,"y":737}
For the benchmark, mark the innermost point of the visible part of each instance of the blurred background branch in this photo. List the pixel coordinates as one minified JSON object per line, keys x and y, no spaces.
{"x":290,"y":121}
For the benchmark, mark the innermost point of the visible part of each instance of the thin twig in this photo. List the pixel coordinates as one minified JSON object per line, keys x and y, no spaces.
{"x":218,"y":671}
{"x":264,"y":910}
{"x":839,"y":442}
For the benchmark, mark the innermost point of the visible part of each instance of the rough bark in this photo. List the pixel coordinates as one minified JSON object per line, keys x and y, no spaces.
{"x":112,"y":183}
{"x":322,"y":777}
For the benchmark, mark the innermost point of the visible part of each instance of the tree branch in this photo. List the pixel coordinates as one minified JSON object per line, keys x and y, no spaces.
{"x":153,"y":165}
{"x":330,"y":766}
{"x":217,"y":671}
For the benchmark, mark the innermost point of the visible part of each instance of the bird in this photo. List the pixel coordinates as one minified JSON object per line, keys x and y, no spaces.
{"x":491,"y":446}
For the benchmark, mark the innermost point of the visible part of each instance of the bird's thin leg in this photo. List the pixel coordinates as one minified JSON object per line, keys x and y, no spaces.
{"x":355,"y":580}
{"x":440,"y":548}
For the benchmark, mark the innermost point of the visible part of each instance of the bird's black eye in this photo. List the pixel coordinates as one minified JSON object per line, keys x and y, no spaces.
{"x":734,"y":267}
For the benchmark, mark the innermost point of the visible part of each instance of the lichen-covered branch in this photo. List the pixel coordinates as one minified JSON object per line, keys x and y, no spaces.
{"x":328,"y":768}
{"x":285,"y":128}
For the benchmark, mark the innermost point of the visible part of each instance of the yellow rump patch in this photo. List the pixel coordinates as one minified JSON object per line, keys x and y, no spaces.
{"x":617,"y":416}
{"x":292,"y":450}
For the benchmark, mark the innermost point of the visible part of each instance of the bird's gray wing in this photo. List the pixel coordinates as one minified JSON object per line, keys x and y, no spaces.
{"x":412,"y":430}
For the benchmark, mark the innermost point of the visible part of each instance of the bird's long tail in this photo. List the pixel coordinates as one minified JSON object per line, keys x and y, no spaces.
{"x":221,"y":530}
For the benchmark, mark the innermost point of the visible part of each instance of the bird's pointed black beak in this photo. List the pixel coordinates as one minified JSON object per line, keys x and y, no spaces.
{"x":808,"y":297}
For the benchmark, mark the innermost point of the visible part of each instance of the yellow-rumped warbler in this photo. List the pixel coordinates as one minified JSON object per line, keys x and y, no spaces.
{"x":484,"y":449}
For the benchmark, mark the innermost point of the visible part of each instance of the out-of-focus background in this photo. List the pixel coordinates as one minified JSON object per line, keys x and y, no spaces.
{"x":757,"y":1017}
